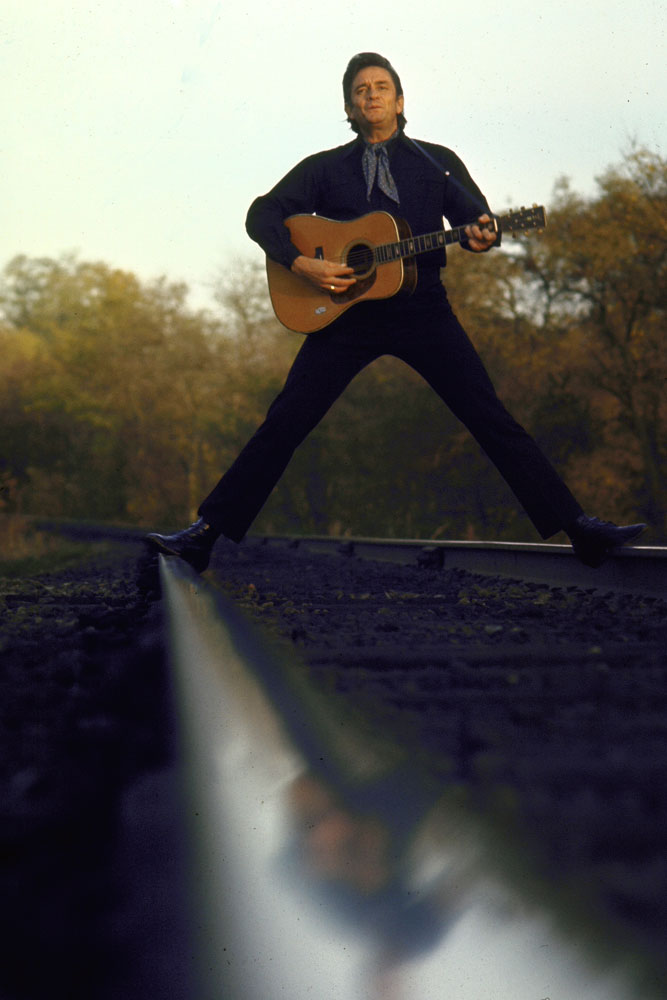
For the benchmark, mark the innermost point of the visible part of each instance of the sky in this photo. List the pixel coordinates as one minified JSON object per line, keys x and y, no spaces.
{"x":138,"y":133}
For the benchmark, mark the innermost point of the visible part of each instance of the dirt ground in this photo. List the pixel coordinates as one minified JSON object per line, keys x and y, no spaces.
{"x":552,"y":698}
{"x":82,"y":688}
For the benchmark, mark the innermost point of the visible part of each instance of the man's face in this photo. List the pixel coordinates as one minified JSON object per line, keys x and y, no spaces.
{"x":374,"y":105}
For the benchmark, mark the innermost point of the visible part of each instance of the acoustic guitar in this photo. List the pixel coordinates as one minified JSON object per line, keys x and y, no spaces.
{"x":381,"y":250}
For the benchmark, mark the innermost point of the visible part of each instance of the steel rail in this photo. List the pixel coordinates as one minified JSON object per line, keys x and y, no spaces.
{"x":325,"y":862}
{"x":640,"y":569}
{"x":636,"y":570}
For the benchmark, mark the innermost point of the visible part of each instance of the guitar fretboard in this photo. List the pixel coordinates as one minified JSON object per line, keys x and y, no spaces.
{"x":418,"y":244}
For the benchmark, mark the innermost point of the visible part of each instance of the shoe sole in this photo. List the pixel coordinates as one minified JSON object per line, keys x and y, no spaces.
{"x":600,"y":557}
{"x":158,"y":545}
{"x":154,"y":542}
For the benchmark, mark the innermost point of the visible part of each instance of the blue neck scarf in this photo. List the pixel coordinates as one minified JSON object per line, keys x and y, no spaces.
{"x":375,"y":163}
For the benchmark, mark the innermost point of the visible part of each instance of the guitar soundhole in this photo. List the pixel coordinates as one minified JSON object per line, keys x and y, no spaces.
{"x":360,"y":258}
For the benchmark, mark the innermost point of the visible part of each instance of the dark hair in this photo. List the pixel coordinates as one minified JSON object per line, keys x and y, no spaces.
{"x":361,"y":61}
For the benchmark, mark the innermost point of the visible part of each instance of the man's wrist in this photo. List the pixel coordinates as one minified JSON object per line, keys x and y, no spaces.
{"x":299,"y":257}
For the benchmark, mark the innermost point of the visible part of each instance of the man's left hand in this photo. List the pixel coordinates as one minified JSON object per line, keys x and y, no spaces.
{"x":482,"y":234}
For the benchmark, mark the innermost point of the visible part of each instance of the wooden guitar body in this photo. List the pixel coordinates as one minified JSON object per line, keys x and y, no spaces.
{"x":379,"y":247}
{"x":300,"y":306}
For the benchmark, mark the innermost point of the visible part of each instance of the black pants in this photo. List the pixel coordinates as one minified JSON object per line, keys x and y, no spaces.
{"x":425,"y":333}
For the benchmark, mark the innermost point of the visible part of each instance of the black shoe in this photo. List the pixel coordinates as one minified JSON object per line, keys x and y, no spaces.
{"x":194,"y":544}
{"x":594,"y":540}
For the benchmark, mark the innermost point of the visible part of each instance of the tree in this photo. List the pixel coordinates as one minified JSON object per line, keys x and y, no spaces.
{"x":114,"y":394}
{"x":600,"y":278}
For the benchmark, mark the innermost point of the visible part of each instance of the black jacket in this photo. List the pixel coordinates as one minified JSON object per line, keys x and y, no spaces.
{"x":332,"y":184}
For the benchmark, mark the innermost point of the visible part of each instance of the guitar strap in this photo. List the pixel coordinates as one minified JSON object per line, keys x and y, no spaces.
{"x":447,"y":174}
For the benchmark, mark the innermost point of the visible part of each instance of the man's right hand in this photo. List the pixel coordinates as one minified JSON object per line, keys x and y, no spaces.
{"x":323,"y":274}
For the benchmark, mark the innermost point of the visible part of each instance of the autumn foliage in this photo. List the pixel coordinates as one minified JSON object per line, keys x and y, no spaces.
{"x":118,"y":401}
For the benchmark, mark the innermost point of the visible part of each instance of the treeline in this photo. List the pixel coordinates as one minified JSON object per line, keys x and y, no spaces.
{"x":119,"y":402}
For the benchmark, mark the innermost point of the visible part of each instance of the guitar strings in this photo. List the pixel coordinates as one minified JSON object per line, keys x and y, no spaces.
{"x":513,"y":221}
{"x":380,"y":253}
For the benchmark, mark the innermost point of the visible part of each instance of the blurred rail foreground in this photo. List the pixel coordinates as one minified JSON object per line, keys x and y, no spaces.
{"x":327,"y":862}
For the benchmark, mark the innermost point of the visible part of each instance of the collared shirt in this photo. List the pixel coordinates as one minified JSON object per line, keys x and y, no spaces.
{"x":332,"y":184}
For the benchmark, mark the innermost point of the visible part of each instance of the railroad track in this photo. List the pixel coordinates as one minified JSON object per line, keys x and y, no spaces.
{"x":640,"y":569}
{"x":485,"y":725}
{"x":380,"y":804}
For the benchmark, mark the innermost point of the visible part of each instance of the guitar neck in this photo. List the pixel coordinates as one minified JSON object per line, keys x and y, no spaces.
{"x":519,"y":221}
{"x":414,"y":245}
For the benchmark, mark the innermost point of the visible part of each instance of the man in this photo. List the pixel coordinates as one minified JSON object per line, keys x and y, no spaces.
{"x":382,"y":169}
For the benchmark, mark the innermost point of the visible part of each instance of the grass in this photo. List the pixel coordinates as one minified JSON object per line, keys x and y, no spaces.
{"x":27,"y":551}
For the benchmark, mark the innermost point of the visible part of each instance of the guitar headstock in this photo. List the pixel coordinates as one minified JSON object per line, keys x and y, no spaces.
{"x":523,"y":219}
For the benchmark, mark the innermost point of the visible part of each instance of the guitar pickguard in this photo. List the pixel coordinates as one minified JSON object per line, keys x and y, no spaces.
{"x":360,"y":287}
